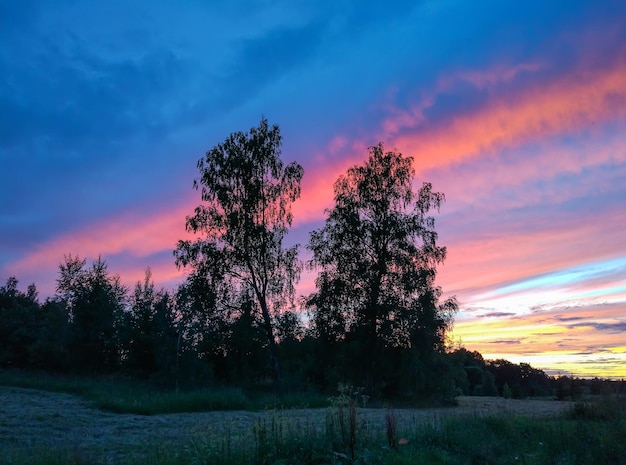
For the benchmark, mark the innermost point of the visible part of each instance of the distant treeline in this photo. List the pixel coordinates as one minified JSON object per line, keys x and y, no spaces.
{"x":95,"y":326}
{"x":374,"y":322}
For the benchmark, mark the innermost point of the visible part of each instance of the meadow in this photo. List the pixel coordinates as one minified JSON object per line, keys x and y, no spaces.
{"x":71,"y":422}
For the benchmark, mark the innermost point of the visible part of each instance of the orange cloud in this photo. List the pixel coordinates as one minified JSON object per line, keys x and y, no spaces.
{"x":132,"y":235}
{"x":491,"y":186}
{"x":560,"y":105}
{"x":126,"y":234}
{"x":318,"y":182}
{"x":529,"y":112}
{"x":521,"y":108}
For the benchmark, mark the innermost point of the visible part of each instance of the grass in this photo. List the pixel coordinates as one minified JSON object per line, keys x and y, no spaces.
{"x":577,"y":438}
{"x":580,"y":437}
{"x":591,"y":432}
{"x":127,"y":396}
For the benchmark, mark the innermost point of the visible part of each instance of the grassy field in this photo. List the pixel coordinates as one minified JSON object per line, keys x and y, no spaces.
{"x":45,"y":427}
{"x":128,"y":396}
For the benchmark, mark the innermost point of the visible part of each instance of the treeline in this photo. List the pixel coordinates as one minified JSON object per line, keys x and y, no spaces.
{"x":519,"y":381}
{"x":95,"y":326}
{"x":375,"y":321}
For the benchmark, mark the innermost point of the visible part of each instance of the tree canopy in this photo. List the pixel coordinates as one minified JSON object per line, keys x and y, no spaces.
{"x":377,"y":255}
{"x":247,"y":193}
{"x":95,"y":301}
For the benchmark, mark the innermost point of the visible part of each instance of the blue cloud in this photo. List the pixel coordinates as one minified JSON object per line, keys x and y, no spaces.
{"x":617,"y":327}
{"x":70,"y":103}
{"x":496,"y":315}
{"x":263,"y":60}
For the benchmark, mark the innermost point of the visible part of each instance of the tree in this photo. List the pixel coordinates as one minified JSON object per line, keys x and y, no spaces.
{"x":222,"y":329}
{"x":377,"y":254}
{"x":19,"y":314}
{"x":203,"y":326}
{"x":150,"y":333}
{"x":248,"y":193}
{"x":51,"y":349}
{"x":32,"y":335}
{"x":95,"y":301}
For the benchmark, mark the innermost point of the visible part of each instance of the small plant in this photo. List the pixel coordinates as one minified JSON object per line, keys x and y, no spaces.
{"x":343,"y":396}
{"x":352,"y":437}
{"x":391,"y":423}
{"x":345,"y":403}
{"x":507,"y":392}
{"x":358,"y":393}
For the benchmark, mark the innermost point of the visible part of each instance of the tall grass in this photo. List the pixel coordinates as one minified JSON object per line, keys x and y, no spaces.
{"x":592,"y":432}
{"x":581,"y":437}
{"x":121,"y":395}
{"x":574,"y":439}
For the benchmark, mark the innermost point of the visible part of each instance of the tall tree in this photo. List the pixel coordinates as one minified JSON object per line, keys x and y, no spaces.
{"x":51,"y":350}
{"x":248,"y":193}
{"x":95,"y":301}
{"x":377,"y":255}
{"x":150,"y":333}
{"x":19,"y":313}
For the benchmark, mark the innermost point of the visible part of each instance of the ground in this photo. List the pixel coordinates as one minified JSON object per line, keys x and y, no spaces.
{"x":32,"y":419}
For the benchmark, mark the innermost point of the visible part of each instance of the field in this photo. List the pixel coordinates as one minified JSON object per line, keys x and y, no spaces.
{"x":38,"y":426}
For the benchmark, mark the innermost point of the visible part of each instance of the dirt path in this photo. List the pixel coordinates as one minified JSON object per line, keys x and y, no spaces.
{"x":32,"y":418}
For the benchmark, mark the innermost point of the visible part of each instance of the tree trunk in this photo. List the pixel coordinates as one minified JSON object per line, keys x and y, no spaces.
{"x":269,"y":330}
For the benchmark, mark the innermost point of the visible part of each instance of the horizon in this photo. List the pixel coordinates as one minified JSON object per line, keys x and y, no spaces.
{"x":516,"y":114}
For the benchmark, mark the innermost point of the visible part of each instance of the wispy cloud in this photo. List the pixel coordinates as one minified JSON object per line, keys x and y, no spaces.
{"x":524,"y":114}
{"x":495,"y":315}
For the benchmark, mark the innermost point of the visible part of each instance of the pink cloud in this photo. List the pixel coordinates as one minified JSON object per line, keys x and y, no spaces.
{"x":497,"y":75}
{"x":529,"y":111}
{"x":518,"y":113}
{"x":129,"y":234}
{"x":511,"y":117}
{"x":318,"y":182}
{"x":476,"y":264}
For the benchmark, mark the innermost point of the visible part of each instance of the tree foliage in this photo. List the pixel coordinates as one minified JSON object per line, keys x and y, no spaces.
{"x":377,"y":255}
{"x":247,"y":193}
{"x":95,"y":301}
{"x":150,"y":334}
{"x":18,"y":324}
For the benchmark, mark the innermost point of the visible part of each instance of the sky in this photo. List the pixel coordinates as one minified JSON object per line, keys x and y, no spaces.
{"x":516,"y":111}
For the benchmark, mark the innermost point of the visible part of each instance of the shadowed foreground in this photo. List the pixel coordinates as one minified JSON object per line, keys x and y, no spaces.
{"x":33,"y":419}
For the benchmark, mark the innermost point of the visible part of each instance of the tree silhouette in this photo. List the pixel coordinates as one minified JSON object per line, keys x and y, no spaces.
{"x":19,"y":314}
{"x":95,"y":301}
{"x":248,"y":194}
{"x":377,"y":255}
{"x":149,"y":332}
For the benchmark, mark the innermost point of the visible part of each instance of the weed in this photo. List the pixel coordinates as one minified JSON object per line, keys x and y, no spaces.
{"x":391,"y":423}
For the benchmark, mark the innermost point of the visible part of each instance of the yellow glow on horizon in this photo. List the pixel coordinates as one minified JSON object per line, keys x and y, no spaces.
{"x":546,"y":345}
{"x":613,"y":365}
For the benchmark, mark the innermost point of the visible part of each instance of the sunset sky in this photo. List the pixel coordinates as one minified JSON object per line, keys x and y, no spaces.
{"x":515,"y":110}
